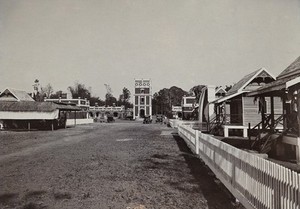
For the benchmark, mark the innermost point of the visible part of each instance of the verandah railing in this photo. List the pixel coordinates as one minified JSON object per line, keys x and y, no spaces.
{"x":254,"y":181}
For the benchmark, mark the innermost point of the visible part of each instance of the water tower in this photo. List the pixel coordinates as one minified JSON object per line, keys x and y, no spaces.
{"x":142,"y":104}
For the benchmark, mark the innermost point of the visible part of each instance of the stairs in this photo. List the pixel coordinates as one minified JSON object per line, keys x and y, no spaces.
{"x":265,"y":142}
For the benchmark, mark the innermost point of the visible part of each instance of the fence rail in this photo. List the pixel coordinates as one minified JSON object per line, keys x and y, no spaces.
{"x":256,"y":182}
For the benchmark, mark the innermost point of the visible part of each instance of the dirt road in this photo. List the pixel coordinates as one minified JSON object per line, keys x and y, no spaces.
{"x":117,"y":165}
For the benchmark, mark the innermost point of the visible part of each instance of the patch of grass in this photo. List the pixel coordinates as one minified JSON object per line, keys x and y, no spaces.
{"x":158,"y":156}
{"x":4,"y":198}
{"x":35,"y":193}
{"x":30,"y":206}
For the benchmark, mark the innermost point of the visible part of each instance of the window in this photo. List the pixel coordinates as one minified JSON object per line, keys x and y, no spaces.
{"x":142,"y":100}
{"x":190,"y":101}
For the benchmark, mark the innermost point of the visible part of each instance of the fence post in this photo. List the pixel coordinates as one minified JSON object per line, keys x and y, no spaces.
{"x":197,"y":142}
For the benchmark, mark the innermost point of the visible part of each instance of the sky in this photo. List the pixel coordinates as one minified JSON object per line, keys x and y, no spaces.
{"x":182,"y":43}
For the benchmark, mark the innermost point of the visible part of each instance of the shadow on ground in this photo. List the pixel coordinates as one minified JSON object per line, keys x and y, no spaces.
{"x":215,"y":193}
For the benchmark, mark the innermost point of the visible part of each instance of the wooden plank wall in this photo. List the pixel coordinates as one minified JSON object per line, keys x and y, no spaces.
{"x":251,"y":110}
{"x":257,"y":183}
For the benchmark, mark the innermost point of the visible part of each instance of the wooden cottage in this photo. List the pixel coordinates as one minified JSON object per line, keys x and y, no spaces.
{"x":236,"y":111}
{"x":285,"y":144}
{"x":19,"y":110}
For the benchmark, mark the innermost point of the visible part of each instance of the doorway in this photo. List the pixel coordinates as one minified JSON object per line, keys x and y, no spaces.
{"x":142,"y":113}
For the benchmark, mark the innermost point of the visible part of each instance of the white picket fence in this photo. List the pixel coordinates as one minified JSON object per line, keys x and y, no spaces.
{"x":254,"y":181}
{"x":174,"y":123}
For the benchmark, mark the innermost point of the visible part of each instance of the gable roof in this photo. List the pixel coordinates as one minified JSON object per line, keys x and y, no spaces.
{"x":290,"y":75}
{"x":19,"y":95}
{"x":292,"y":70}
{"x":239,"y":86}
{"x":33,"y":106}
{"x":220,"y":89}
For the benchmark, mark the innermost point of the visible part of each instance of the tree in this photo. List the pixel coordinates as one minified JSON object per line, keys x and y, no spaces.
{"x":124,"y":98}
{"x":79,"y":90}
{"x":47,"y":90}
{"x":96,"y":101}
{"x":196,"y":91}
{"x":126,"y":94}
{"x":164,"y":99}
{"x":110,"y":100}
{"x":56,"y":95}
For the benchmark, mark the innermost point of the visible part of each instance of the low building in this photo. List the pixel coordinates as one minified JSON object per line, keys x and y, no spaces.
{"x":243,"y":110}
{"x":285,"y":144}
{"x":100,"y":111}
{"x":84,"y":104}
{"x":188,"y":106}
{"x":18,"y":110}
{"x":176,"y":111}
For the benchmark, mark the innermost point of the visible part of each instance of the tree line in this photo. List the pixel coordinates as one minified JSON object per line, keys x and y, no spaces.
{"x":80,"y":90}
{"x":164,"y":99}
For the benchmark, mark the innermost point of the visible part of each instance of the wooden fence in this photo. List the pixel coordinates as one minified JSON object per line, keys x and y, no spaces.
{"x":254,"y":181}
{"x":174,"y":123}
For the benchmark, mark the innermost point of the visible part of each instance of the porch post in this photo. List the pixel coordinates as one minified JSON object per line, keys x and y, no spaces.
{"x":262,"y":104}
{"x":298,"y":122}
{"x":28,"y":126}
{"x":224,"y":118}
{"x":298,"y":111}
{"x":272,"y":112}
{"x":298,"y":151}
{"x":249,"y":135}
{"x":284,"y":112}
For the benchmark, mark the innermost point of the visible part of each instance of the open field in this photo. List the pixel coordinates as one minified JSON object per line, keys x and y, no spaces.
{"x":117,"y":165}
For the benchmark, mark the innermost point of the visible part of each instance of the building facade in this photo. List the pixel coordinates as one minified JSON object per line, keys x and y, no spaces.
{"x":188,"y":105}
{"x":100,"y":111}
{"x":176,"y":111}
{"x":84,"y":104}
{"x":142,"y":105}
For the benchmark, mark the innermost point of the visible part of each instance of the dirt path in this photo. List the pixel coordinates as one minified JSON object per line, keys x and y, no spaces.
{"x":119,"y":165}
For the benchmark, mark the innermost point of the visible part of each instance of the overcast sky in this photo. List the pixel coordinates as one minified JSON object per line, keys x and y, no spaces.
{"x":182,"y":43}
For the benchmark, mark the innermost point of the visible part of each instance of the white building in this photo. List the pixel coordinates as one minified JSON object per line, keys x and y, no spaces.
{"x":176,"y":111}
{"x":188,"y":104}
{"x":84,"y":104}
{"x":142,"y":105}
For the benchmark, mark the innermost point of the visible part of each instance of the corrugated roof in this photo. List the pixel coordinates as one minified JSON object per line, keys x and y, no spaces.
{"x":239,"y":85}
{"x":32,"y":106}
{"x":227,"y":97}
{"x":291,"y":70}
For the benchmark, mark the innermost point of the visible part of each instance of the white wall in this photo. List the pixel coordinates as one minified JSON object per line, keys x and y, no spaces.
{"x":71,"y":122}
